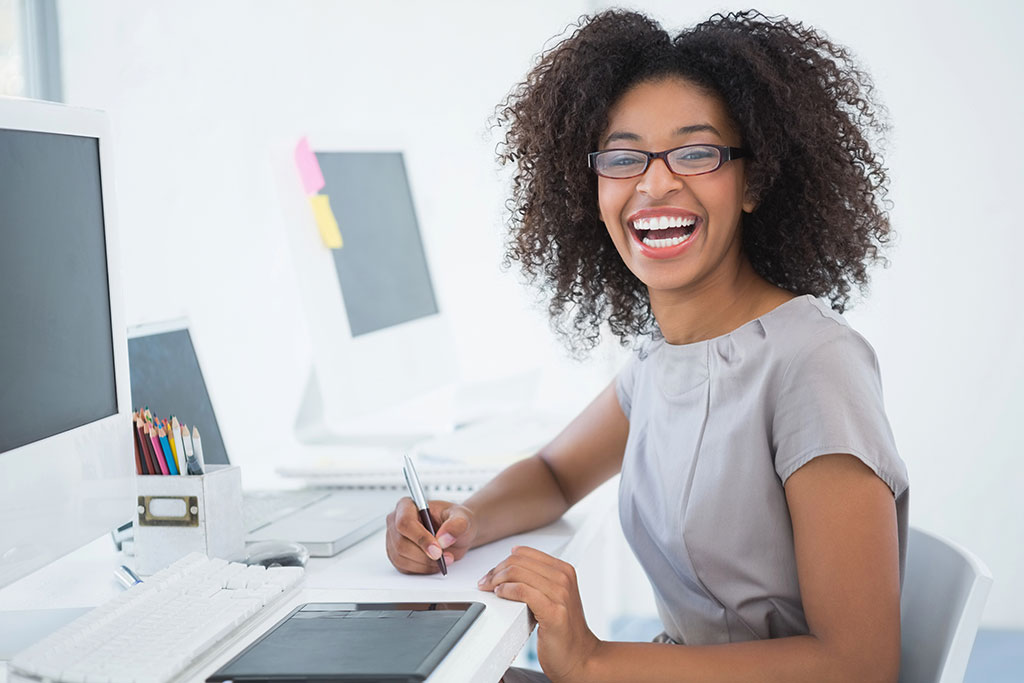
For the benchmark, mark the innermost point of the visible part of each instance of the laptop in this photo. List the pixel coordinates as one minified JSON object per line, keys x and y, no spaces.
{"x":324,"y":521}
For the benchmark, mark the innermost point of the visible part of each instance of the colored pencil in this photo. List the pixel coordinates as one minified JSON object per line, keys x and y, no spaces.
{"x":138,"y":456}
{"x":174,"y":436}
{"x":157,"y":451}
{"x":165,"y":444}
{"x":147,"y":449}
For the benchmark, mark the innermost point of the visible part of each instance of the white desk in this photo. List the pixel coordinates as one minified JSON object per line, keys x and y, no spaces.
{"x":360,"y":574}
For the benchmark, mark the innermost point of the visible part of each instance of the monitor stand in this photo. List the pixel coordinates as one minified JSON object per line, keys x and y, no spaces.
{"x":399,"y":426}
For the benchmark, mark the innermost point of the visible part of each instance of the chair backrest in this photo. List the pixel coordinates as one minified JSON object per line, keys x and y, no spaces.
{"x":945,"y":587}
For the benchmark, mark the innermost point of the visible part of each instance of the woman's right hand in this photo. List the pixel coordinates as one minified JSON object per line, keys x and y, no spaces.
{"x":411,"y":547}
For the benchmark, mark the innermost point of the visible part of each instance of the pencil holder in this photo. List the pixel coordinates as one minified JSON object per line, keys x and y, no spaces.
{"x":177,"y":515}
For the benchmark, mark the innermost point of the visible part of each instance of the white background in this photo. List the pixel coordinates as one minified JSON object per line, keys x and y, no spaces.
{"x":199,"y":93}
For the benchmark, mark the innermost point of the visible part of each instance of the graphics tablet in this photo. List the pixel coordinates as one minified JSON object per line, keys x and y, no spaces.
{"x":354,"y":642}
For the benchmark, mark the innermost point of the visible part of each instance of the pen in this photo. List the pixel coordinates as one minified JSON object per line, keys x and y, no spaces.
{"x":416,"y":491}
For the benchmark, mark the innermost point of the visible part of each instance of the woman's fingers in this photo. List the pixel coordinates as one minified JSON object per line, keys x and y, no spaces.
{"x":409,"y":558}
{"x":454,"y":527}
{"x":561,"y":573}
{"x":540,"y":556}
{"x":408,"y":524}
{"x":540,"y":604}
{"x":409,"y":545}
{"x":529,"y":578}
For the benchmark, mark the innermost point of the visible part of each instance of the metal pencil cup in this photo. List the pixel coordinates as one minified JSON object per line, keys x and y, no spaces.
{"x":177,"y":515}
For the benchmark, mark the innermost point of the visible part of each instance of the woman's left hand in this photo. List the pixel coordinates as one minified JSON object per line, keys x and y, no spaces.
{"x":548,"y":587}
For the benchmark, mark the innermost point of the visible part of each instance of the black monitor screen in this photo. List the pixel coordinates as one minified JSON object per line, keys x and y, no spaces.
{"x":382,"y":268}
{"x":167,"y":379}
{"x":56,"y":348}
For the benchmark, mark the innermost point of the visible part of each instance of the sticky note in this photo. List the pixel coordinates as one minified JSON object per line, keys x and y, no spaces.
{"x":325,"y":221}
{"x":309,"y":168}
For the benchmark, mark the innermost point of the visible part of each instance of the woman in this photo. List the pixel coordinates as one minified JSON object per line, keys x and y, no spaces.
{"x":714,"y":195}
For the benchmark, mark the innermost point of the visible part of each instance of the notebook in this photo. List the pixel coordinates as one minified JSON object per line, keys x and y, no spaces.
{"x":324,"y":521}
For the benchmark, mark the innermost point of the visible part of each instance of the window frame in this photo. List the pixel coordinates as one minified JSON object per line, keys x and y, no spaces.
{"x":40,"y":39}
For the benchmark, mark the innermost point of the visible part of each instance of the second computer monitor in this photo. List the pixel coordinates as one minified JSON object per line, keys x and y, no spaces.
{"x":383,"y":354}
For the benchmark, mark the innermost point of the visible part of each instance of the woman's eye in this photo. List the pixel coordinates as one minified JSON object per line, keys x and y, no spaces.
{"x":623,"y":160}
{"x":696,"y":155}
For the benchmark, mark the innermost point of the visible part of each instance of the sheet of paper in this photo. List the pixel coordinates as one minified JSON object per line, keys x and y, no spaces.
{"x":367,"y":566}
{"x":309,"y":168}
{"x":325,"y":221}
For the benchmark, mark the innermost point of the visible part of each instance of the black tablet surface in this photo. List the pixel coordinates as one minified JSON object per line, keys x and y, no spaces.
{"x":354,"y":642}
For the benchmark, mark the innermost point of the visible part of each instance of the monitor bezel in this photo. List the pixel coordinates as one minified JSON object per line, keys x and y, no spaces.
{"x":62,"y":492}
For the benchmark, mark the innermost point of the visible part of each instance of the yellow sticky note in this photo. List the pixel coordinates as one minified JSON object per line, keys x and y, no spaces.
{"x":325,"y":221}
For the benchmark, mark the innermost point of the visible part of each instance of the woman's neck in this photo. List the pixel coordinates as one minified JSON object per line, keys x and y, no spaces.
{"x":716,"y":307}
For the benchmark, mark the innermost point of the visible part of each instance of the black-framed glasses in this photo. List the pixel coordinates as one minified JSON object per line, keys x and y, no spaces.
{"x":686,"y":160}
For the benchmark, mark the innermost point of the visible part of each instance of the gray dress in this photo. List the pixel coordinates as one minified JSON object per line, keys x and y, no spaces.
{"x":715,"y":430}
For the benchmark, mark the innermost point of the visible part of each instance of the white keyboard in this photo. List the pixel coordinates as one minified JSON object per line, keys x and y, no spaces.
{"x":157,"y":629}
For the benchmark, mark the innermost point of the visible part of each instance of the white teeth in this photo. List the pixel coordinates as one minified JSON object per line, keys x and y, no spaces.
{"x":663,"y":222}
{"x":661,"y":244}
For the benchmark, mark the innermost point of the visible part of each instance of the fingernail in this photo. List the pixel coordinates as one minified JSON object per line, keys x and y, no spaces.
{"x":445,"y":540}
{"x":482,"y":581}
{"x":434,"y":552}
{"x":449,"y":558}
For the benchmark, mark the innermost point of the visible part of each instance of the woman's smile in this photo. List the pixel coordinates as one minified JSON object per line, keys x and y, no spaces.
{"x":664,"y":232}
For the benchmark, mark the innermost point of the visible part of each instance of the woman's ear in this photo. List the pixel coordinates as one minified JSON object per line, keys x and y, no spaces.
{"x":749,"y":203}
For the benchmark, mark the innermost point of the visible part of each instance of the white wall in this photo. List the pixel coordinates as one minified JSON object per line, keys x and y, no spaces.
{"x":199,"y":93}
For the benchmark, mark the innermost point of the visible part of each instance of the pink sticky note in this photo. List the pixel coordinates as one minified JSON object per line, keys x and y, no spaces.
{"x":309,"y":168}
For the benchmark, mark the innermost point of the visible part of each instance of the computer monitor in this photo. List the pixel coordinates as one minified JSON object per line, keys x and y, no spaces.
{"x":383,"y":370}
{"x":66,"y":462}
{"x":155,"y":348}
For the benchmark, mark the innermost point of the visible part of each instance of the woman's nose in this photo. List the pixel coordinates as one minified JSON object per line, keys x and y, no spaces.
{"x":658,"y":180}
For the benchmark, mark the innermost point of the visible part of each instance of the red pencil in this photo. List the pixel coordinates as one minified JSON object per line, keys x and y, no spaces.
{"x":151,"y":466}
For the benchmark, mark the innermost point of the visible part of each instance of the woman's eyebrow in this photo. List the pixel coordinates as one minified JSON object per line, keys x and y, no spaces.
{"x":685,"y":130}
{"x":699,"y":128}
{"x":621,"y":135}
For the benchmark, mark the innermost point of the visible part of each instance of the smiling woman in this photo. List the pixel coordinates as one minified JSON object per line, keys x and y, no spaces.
{"x":714,"y":198}
{"x":805,"y":120}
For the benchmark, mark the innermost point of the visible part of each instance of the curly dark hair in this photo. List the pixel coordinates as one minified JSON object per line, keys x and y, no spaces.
{"x":802,"y":106}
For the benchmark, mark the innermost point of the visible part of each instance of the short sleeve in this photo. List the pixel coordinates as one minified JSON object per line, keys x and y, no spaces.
{"x":830,"y":401}
{"x":625,"y":382}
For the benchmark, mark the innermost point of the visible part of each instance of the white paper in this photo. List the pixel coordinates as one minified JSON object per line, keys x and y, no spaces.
{"x":366,"y":566}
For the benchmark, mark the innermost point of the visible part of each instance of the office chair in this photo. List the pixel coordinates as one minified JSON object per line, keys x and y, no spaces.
{"x":945,"y":587}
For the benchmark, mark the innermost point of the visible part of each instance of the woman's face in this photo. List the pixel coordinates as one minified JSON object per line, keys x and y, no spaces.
{"x":656,"y":116}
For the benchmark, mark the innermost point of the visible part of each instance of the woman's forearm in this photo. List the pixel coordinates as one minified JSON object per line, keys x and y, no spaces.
{"x":790,"y":660}
{"x":522,"y":497}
